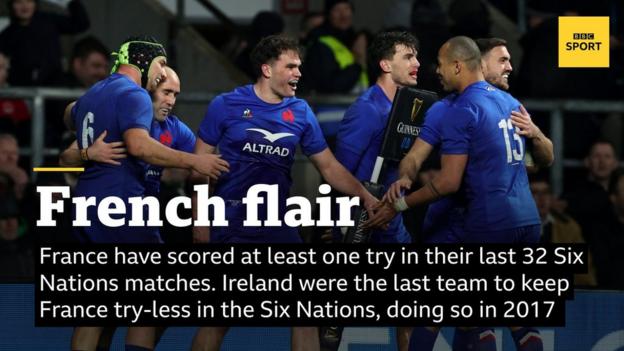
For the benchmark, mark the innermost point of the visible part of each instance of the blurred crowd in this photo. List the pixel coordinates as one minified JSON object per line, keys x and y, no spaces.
{"x":590,"y":210}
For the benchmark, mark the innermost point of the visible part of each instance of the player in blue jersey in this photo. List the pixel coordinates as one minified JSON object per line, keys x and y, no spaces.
{"x":362,"y":129}
{"x":257,"y":129}
{"x":496,"y":66}
{"x":363,"y":126}
{"x":121,"y":106}
{"x":444,"y":220}
{"x":166,"y":128}
{"x":169,"y":131}
{"x":484,"y":151}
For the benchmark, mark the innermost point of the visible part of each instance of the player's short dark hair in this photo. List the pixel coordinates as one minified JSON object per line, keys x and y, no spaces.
{"x":464,"y":49}
{"x":383,"y":47}
{"x":87,"y":45}
{"x":602,"y":141}
{"x":487,"y":44}
{"x":269,"y":49}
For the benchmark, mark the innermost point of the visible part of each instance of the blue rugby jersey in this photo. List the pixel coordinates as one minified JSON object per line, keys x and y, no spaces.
{"x":172,"y":133}
{"x":259,"y":141}
{"x":495,"y":182}
{"x":444,"y":220}
{"x":114,"y":104}
{"x":358,"y":144}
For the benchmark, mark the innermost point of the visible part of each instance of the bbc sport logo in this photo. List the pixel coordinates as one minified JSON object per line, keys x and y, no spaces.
{"x":583,"y":41}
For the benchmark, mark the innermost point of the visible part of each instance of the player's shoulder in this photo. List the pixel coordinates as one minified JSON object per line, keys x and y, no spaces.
{"x":477,"y":97}
{"x":173,"y":121}
{"x":442,"y":104}
{"x":176,"y":122}
{"x":437,"y":111}
{"x":476,"y":92}
{"x":508,"y":98}
{"x":241,"y":91}
{"x":294,"y":101}
{"x":116,"y":89}
{"x":178,"y":128}
{"x":371,"y":95}
{"x":122,"y":84}
{"x":297,"y":106}
{"x":240,"y":95}
{"x":371,"y":101}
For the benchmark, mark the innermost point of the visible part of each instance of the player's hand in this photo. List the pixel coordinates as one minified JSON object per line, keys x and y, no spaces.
{"x":525,"y":126}
{"x":201,"y":235}
{"x":381,"y":217}
{"x":104,"y":152}
{"x":211,"y":165}
{"x":371,"y":203}
{"x":396,"y":189}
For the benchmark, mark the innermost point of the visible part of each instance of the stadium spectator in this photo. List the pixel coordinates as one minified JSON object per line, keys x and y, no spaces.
{"x":336,"y":58}
{"x":589,"y":202}
{"x":264,"y":23}
{"x":559,"y":228}
{"x":16,"y":259}
{"x":9,"y":158}
{"x":14,"y":113}
{"x":309,"y":22}
{"x":88,"y":63}
{"x":32,"y":41}
{"x":608,"y":243}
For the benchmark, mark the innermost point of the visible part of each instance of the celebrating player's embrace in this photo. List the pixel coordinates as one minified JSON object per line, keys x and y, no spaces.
{"x":124,"y":140}
{"x":119,"y":112}
{"x":483,"y":182}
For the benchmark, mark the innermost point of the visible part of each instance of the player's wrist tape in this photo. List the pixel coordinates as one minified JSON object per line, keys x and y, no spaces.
{"x":400,"y":204}
{"x":84,"y":155}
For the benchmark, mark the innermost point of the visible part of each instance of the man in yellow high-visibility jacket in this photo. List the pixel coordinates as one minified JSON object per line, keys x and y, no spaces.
{"x":336,"y":59}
